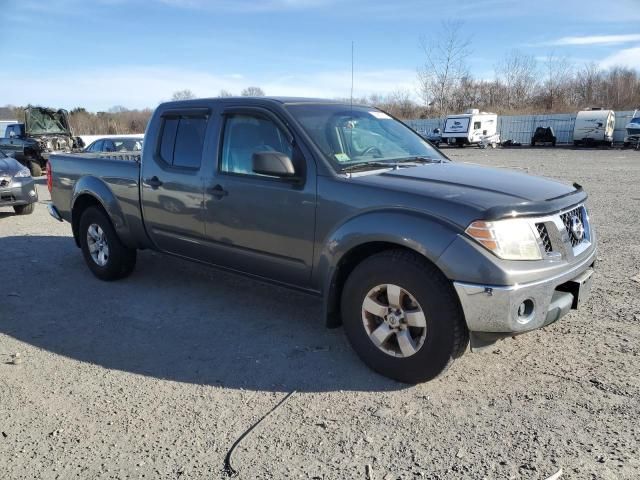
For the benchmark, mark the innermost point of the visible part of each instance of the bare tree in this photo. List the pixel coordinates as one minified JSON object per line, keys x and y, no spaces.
{"x":252,"y":92}
{"x":225,"y":94}
{"x":517,"y":72}
{"x":445,"y":66}
{"x":183,"y":95}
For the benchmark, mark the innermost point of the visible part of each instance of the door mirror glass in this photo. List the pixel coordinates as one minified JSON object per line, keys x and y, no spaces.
{"x":275,"y":164}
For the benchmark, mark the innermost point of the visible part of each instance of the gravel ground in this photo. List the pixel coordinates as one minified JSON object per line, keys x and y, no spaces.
{"x":156,"y":376}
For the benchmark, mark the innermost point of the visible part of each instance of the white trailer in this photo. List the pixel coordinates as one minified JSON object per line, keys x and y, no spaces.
{"x":594,"y":127}
{"x":471,"y":128}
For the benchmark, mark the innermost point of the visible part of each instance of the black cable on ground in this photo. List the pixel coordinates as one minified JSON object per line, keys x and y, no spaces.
{"x":228,"y":468}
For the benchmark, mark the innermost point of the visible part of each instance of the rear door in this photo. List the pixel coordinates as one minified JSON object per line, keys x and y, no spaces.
{"x":258,"y":224}
{"x":172,"y":182}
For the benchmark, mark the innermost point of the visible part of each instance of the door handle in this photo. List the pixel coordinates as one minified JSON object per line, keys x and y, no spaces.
{"x":154,"y":182}
{"x":218,"y":192}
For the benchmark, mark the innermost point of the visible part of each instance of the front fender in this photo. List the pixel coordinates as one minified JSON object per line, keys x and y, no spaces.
{"x":425,"y":234}
{"x":100,"y":191}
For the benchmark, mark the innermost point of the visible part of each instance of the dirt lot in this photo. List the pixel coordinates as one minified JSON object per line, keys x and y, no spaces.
{"x":156,"y":376}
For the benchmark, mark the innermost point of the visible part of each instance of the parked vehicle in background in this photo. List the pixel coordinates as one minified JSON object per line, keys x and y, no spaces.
{"x":435,"y":136}
{"x":116,"y":144}
{"x":594,"y":127}
{"x":632,"y":138}
{"x":413,"y":253}
{"x":43,"y":132}
{"x":17,"y":187}
{"x":469,"y":128}
{"x":544,"y":135}
{"x":4,"y":124}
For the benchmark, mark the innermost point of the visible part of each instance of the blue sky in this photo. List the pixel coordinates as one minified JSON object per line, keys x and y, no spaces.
{"x":135,"y":53}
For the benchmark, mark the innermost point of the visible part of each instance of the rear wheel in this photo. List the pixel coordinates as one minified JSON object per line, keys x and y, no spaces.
{"x":402,"y":317}
{"x":103,"y":251}
{"x":24,"y":209}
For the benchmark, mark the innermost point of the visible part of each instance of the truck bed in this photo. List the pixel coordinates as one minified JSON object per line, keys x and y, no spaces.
{"x":115,"y":176}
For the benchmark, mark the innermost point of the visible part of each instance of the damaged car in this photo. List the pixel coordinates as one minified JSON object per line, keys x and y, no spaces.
{"x":44,"y":131}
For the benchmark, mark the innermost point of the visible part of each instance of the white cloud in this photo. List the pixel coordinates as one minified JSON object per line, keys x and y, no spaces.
{"x":628,"y":57}
{"x":595,"y":40}
{"x":140,"y":87}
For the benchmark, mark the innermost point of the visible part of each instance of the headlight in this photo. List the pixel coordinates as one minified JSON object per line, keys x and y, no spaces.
{"x":22,"y":173}
{"x":511,"y":239}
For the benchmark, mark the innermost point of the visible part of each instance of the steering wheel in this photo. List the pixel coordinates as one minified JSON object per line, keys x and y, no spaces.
{"x":371,"y":149}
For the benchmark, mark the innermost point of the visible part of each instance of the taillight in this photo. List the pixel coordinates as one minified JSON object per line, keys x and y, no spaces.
{"x":49,"y":177}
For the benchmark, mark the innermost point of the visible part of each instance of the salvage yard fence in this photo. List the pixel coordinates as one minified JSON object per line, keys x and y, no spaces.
{"x":520,"y":128}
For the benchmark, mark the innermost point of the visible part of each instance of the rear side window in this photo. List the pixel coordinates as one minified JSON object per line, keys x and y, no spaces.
{"x":182,"y":141}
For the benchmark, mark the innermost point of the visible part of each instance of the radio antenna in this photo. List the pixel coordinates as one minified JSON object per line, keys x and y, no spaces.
{"x":352,"y":43}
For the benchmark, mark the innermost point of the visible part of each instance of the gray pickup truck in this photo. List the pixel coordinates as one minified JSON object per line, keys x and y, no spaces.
{"x":413,"y":254}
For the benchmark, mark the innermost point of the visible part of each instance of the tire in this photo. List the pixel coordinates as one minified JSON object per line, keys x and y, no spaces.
{"x":117,"y":261}
{"x":24,"y":209}
{"x":35,"y":168}
{"x":445,"y":336}
{"x":626,"y":144}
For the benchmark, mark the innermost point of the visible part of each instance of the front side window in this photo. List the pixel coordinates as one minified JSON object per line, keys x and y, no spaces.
{"x":359,"y":135}
{"x":245,"y":135}
{"x":182,"y":141}
{"x":477,"y":125}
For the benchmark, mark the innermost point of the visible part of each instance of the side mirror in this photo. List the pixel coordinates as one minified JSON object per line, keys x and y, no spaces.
{"x":274,"y":164}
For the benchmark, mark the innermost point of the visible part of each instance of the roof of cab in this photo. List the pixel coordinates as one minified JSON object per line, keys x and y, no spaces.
{"x":256,"y":100}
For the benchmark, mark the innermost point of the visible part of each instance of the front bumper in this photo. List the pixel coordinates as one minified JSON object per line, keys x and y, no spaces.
{"x":21,"y":191}
{"x":520,"y":308}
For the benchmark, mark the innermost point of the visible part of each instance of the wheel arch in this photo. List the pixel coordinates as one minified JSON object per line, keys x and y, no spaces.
{"x":361,"y":238}
{"x":80,"y":204}
{"x":92,"y":191}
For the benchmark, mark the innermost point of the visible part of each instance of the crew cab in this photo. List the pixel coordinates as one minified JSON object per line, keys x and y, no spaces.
{"x":413,"y":254}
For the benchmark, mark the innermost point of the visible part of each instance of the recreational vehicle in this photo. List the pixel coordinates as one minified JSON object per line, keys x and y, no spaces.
{"x":632,"y":138}
{"x":594,"y":127}
{"x":471,"y":128}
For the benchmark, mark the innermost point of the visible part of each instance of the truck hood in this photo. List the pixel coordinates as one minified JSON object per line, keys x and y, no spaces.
{"x":46,"y":121}
{"x":491,"y":192}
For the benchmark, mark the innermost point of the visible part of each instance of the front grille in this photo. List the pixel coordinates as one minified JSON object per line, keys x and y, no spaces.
{"x":567,"y":219}
{"x":7,"y":198}
{"x":544,"y":236}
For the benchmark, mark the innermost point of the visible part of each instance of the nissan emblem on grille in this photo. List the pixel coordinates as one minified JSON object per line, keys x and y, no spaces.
{"x":577,"y":228}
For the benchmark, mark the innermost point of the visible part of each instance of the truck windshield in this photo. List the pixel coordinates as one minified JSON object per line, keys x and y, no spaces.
{"x":41,"y":121}
{"x":361,"y":135}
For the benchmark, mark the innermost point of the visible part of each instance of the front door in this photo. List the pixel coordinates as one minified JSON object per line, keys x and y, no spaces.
{"x":258,"y":224}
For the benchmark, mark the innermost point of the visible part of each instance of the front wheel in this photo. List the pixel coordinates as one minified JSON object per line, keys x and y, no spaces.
{"x":24,"y":209}
{"x":104,"y":253}
{"x":402,"y":317}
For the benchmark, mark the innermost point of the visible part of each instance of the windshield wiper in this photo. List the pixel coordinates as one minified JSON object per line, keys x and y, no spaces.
{"x":418,"y":159}
{"x":366,"y":166}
